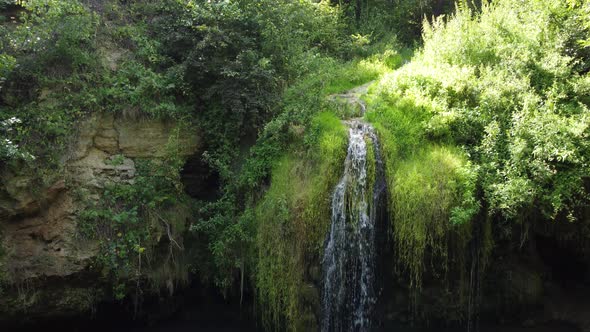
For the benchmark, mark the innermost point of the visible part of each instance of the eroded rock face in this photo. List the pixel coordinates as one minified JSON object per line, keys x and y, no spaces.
{"x":134,"y":138}
{"x":46,"y":245}
{"x":44,"y":256}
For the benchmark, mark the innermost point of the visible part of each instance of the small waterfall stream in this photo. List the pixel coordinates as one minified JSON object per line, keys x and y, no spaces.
{"x":349,"y":258}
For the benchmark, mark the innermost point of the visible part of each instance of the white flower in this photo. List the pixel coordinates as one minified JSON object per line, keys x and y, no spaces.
{"x":10,"y":122}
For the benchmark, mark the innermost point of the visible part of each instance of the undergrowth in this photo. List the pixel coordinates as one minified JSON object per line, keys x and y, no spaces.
{"x":131,"y":218}
{"x":293,"y":218}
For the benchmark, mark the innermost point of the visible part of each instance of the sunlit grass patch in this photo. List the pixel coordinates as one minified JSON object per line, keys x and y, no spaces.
{"x":293,"y":218}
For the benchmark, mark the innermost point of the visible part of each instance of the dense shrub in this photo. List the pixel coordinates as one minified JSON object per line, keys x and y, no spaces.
{"x":505,"y":84}
{"x":45,"y":68}
{"x":508,"y":85}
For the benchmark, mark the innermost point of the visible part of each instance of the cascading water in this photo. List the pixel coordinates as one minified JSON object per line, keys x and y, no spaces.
{"x":349,"y":257}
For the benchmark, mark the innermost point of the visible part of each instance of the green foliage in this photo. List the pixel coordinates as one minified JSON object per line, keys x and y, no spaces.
{"x":131,"y":217}
{"x":63,"y":62}
{"x":8,"y":149}
{"x":58,"y":32}
{"x":229,"y":231}
{"x":232,"y":60}
{"x":432,"y":188}
{"x":292,"y":220}
{"x":7,"y":64}
{"x":432,"y":204}
{"x":216,"y":53}
{"x":294,"y":32}
{"x":377,"y":19}
{"x":330,"y":76}
{"x":505,"y":84}
{"x":583,"y":9}
{"x":138,"y":90}
{"x":6,"y":3}
{"x":299,"y":126}
{"x":44,"y":69}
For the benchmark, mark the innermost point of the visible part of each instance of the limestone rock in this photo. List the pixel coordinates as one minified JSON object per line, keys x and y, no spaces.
{"x":148,"y":138}
{"x":46,"y":245}
{"x":41,"y":244}
{"x":98,"y":168}
{"x":19,"y":196}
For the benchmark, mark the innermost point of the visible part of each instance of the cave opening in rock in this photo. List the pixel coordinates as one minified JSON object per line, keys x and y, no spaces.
{"x":200,"y":180}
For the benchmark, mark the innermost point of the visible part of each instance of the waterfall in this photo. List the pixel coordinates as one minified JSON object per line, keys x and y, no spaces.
{"x":349,"y":257}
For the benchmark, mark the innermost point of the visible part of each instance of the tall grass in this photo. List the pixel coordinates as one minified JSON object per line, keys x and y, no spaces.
{"x":427,"y":189}
{"x":292,"y":220}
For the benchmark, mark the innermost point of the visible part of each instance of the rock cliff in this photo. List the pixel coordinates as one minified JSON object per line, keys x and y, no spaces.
{"x":45,"y":265}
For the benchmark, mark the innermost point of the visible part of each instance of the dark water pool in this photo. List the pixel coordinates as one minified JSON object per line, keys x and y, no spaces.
{"x":221,"y":316}
{"x":231,"y":323}
{"x":546,"y":327}
{"x":236,"y":325}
